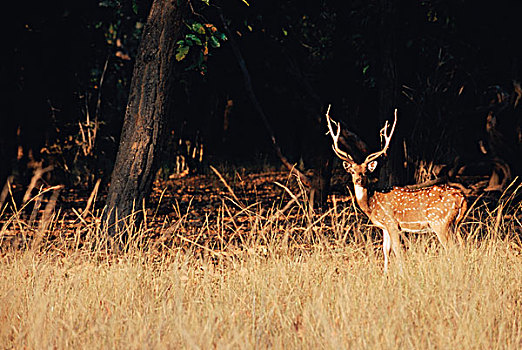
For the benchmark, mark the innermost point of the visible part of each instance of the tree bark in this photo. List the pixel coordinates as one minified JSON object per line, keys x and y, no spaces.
{"x":147,"y":111}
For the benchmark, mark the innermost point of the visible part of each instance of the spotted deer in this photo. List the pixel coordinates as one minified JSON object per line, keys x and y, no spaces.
{"x":436,"y":208}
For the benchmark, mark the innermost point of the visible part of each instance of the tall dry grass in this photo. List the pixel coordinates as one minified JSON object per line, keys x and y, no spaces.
{"x":311,"y":282}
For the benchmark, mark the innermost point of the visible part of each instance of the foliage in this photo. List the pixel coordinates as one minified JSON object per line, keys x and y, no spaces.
{"x":300,"y":55}
{"x":81,"y":151}
{"x":202,"y":37}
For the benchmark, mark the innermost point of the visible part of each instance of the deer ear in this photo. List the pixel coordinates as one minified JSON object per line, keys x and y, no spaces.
{"x":372,"y":165}
{"x":347,"y":166}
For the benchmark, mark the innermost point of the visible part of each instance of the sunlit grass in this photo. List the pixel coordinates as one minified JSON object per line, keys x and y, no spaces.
{"x":315,"y":282}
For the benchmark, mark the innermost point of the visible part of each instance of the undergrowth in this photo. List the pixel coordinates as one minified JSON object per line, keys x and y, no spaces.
{"x":253,"y":276}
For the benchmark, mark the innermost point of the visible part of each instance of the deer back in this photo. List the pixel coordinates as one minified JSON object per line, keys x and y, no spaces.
{"x":417,"y":209}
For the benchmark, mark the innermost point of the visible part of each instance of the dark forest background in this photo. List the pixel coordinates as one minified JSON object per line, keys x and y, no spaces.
{"x":451,"y":67}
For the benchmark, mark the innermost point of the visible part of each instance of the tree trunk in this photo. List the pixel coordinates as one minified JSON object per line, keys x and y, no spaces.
{"x":388,"y":85}
{"x":147,"y":111}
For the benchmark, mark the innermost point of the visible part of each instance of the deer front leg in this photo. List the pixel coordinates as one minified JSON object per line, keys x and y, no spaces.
{"x":395,"y":242}
{"x":386,"y":247}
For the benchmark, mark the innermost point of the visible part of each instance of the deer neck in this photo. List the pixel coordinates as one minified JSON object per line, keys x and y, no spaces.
{"x":363,"y":197}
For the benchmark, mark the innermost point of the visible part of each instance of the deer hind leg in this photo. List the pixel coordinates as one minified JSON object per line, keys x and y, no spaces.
{"x":453,"y":236}
{"x":446,"y":227}
{"x":445,"y":233}
{"x":454,"y":222}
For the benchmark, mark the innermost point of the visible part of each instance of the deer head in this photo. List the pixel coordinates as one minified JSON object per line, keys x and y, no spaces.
{"x":359,"y":171}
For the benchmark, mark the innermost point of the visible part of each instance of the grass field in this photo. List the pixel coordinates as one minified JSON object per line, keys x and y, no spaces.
{"x":305,"y":283}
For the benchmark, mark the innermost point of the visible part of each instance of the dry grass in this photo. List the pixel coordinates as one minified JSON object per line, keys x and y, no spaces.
{"x":287,"y":284}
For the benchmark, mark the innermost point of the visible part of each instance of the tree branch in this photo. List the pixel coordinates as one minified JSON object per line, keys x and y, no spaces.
{"x":253,"y":98}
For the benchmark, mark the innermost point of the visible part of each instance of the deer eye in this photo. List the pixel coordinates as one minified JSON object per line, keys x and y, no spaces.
{"x":371,"y":166}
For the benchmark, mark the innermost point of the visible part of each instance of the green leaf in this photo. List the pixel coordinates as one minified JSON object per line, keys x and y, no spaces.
{"x":182,"y":52}
{"x":134,"y":7}
{"x":194,"y":38}
{"x":198,"y":28}
{"x":365,"y":69}
{"x":214,"y":42}
{"x":207,"y":2}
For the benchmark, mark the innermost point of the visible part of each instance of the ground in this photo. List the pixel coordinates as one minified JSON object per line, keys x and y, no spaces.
{"x":242,"y":262}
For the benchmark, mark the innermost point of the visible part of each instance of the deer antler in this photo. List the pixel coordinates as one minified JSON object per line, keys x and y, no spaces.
{"x":387,"y":139}
{"x":335,"y":137}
